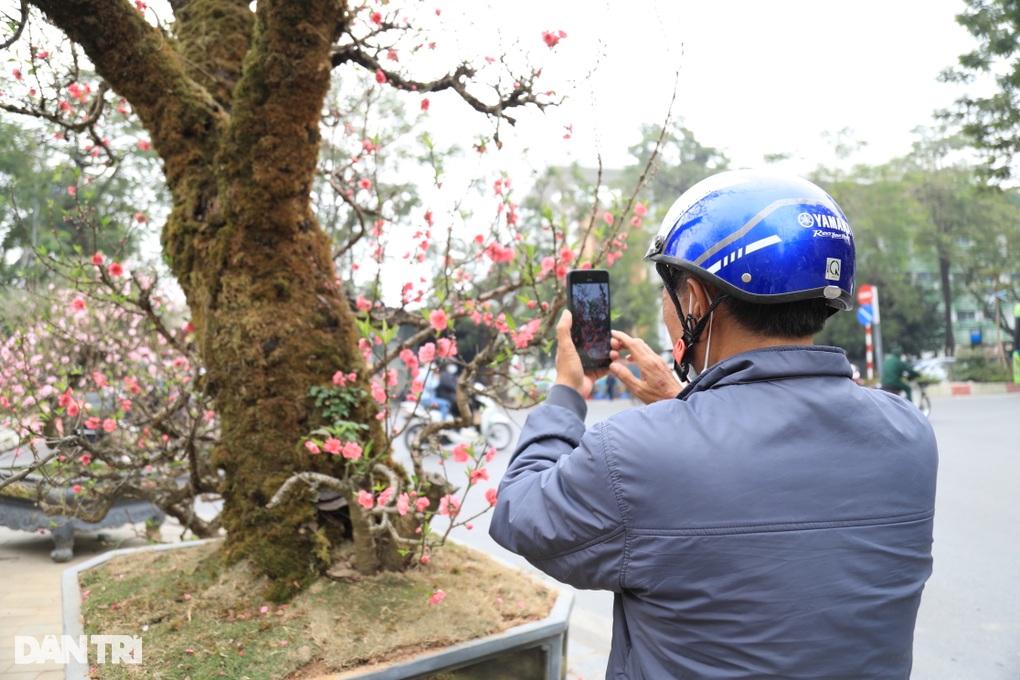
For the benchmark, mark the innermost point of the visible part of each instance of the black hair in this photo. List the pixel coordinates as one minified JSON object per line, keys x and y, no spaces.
{"x":797,"y":319}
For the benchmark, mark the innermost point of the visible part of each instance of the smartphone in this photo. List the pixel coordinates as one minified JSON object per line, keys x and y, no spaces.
{"x":588,"y":301}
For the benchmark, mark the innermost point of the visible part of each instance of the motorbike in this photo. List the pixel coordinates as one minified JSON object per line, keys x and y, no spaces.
{"x":920,"y":395}
{"x":493,"y":425}
{"x":921,"y":399}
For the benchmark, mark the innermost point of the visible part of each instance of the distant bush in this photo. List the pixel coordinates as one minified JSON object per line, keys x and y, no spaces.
{"x":974,"y":365}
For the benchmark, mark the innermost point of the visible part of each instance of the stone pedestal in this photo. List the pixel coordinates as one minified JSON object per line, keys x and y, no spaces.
{"x":25,"y":515}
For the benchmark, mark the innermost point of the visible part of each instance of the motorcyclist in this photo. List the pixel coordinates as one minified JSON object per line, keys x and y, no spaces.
{"x":896,"y":373}
{"x":446,"y":391}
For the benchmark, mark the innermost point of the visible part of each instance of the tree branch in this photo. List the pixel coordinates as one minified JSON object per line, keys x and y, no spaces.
{"x":522,"y":94}
{"x":20,"y":27}
{"x":140,"y":65}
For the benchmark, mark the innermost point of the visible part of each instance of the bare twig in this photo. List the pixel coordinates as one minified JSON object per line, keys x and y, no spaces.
{"x":19,"y":26}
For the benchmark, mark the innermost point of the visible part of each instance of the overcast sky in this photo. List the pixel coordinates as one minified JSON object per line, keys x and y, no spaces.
{"x":756,"y":76}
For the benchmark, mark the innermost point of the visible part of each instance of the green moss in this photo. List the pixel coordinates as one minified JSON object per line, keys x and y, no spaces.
{"x":233,"y":108}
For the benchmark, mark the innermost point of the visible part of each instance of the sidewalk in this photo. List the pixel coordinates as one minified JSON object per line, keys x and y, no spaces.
{"x":30,"y":594}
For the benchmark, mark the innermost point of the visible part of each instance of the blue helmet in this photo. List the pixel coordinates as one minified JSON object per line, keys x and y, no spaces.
{"x":760,"y":237}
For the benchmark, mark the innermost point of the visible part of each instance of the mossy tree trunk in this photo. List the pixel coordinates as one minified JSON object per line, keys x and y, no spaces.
{"x":232,"y":103}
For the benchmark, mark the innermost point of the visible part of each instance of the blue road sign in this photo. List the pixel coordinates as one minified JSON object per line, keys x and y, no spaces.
{"x":865,"y":315}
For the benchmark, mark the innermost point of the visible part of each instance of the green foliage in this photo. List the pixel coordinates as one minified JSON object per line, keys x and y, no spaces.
{"x":928,"y":233}
{"x":336,"y":404}
{"x":991,"y":122}
{"x":974,"y":365}
{"x":681,"y":162}
{"x":40,"y":215}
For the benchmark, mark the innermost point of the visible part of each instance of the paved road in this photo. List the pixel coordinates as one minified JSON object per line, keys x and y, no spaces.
{"x":969,"y":623}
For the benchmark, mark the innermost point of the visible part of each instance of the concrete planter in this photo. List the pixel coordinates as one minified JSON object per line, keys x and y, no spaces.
{"x":537,"y":650}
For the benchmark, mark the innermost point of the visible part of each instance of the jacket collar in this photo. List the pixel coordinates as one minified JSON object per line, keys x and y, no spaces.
{"x":772,"y":363}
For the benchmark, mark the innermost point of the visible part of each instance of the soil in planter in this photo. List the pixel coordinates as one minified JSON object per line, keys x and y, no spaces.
{"x":198,"y":619}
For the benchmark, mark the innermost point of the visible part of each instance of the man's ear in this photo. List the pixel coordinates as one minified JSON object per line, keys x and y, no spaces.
{"x":704,"y":294}
{"x":679,"y":350}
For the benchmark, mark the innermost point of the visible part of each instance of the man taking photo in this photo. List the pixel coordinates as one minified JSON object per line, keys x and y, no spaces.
{"x":774,"y":518}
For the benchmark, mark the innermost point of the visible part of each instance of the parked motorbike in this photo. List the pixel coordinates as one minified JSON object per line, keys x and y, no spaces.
{"x":493,"y":424}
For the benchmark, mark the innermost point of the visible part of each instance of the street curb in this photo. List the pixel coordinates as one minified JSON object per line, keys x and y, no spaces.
{"x":966,"y":389}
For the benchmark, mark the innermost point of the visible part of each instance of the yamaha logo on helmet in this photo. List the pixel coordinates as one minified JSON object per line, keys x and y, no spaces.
{"x":827,"y":222}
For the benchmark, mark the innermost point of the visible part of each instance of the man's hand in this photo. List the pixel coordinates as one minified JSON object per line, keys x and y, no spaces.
{"x":657,"y":382}
{"x":569,"y":370}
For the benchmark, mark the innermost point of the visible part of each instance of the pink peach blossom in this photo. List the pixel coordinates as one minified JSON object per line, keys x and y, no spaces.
{"x":461,"y":453}
{"x":427,"y":352}
{"x":351,"y":451}
{"x":438,"y":320}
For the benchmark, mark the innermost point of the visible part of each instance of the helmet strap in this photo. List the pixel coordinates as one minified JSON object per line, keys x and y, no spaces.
{"x":692,"y":326}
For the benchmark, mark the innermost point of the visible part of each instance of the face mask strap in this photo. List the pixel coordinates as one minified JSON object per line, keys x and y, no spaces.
{"x":692,"y":327}
{"x":708,"y":343}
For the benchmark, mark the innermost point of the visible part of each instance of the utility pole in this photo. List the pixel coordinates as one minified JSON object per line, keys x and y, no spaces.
{"x":1016,"y":344}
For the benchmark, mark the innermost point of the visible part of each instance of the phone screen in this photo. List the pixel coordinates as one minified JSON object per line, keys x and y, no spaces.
{"x":589,"y":306}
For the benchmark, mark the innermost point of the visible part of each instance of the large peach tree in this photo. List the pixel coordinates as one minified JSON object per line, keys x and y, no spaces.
{"x":297,"y":342}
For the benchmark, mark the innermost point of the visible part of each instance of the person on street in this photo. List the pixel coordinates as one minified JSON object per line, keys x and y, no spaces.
{"x":896,"y":374}
{"x":446,"y":392}
{"x":610,"y":386}
{"x":773,"y":519}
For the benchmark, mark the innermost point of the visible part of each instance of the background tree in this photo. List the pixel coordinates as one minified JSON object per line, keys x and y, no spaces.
{"x":53,"y":207}
{"x":992,"y":122}
{"x":969,"y":224}
{"x":931,"y":214}
{"x":887,"y":222}
{"x":671,"y":160}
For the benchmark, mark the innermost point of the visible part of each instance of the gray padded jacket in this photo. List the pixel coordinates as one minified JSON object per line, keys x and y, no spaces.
{"x":774,"y":521}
